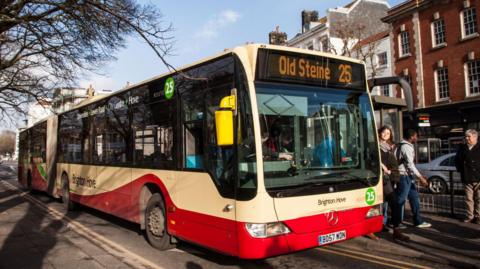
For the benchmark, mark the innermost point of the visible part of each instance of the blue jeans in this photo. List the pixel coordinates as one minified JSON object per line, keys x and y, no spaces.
{"x":406,"y":189}
{"x":385,"y":213}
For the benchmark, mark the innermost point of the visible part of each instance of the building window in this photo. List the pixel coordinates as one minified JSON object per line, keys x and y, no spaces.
{"x":438,"y":30}
{"x":310,"y":46}
{"x":473,"y":77}
{"x":382,"y":58}
{"x":385,"y":90}
{"x":469,"y":21}
{"x":404,"y":44}
{"x":441,"y":83}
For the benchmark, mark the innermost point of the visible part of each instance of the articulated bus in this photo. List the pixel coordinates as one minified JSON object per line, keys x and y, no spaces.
{"x":258,"y":151}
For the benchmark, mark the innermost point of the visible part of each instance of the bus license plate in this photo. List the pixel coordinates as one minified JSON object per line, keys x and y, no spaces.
{"x":331,"y":237}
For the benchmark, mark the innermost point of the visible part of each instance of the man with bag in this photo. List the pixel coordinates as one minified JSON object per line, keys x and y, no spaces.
{"x":406,"y":188}
{"x":467,"y":162}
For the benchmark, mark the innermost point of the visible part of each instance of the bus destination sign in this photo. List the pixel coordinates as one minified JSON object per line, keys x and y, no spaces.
{"x":309,"y":69}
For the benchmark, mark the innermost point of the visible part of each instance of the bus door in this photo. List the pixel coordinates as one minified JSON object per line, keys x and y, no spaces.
{"x":206,"y":185}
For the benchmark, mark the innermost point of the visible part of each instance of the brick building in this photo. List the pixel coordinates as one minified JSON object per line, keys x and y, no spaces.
{"x":436,"y":46}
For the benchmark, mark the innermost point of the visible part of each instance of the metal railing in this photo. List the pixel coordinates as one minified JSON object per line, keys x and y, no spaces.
{"x":451,"y":203}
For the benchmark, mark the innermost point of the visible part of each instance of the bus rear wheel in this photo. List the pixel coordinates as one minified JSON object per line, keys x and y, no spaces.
{"x":68,"y":204}
{"x":156,"y":223}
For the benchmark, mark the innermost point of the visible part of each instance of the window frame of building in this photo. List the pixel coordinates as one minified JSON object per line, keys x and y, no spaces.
{"x":385,"y":90}
{"x":439,"y":38}
{"x":442,"y":88}
{"x":404,"y":44}
{"x":466,"y":25}
{"x":382,"y":59}
{"x":468,"y":75}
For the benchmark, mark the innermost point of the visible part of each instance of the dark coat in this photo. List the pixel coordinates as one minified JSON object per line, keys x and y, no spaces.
{"x":468,"y":163}
{"x":389,"y":160}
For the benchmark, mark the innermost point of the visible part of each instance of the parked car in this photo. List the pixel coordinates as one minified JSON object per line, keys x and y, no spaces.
{"x":438,"y":173}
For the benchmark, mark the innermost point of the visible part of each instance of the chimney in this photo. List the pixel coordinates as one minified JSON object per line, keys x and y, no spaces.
{"x":276,"y":37}
{"x":307,"y":17}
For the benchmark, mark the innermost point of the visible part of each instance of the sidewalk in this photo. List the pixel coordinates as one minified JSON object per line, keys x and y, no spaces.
{"x":448,"y":242}
{"x":31,"y":239}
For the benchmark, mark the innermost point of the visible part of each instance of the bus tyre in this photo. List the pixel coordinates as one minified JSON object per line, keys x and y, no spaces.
{"x":68,"y":204}
{"x":156,"y":223}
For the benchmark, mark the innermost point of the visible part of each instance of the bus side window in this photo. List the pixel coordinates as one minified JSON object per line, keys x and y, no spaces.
{"x":193,"y":132}
{"x":98,"y":134}
{"x":117,"y":132}
{"x":153,"y":135}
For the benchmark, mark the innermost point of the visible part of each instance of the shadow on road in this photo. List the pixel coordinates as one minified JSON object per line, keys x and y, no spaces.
{"x":460,"y":230}
{"x":448,"y":248}
{"x":31,"y":234}
{"x":220,"y":259}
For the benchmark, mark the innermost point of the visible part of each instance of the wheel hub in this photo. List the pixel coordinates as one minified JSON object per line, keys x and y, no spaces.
{"x":155,"y":221}
{"x":436,"y":186}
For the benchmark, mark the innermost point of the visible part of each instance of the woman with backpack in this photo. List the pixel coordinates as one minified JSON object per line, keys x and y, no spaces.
{"x":391,"y":176}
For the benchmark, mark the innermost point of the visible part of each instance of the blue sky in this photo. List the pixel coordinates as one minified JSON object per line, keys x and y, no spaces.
{"x":203,"y":28}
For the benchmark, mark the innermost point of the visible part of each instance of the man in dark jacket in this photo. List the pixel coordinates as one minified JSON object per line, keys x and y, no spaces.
{"x":467,"y":162}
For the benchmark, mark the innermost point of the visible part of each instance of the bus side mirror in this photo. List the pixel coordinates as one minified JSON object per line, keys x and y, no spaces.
{"x":224,"y":121}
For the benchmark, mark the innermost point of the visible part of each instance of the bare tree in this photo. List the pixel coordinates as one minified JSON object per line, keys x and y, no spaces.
{"x":353,"y":42}
{"x":7,"y":142}
{"x":45,"y":44}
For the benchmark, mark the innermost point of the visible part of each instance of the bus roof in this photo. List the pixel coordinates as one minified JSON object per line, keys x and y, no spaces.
{"x":250,"y":49}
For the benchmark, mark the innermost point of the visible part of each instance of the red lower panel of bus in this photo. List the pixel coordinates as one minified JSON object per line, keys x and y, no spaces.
{"x":228,"y":236}
{"x":212,"y":232}
{"x":305,"y":233}
{"x":119,"y":202}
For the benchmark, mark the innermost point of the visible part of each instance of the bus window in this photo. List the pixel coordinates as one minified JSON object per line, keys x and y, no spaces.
{"x":247,"y":163}
{"x":117,"y":134}
{"x":220,"y":160}
{"x":70,"y":128}
{"x":194,"y":145}
{"x":98,"y":129}
{"x":38,"y":141}
{"x":315,"y":129}
{"x":153,"y":135}
{"x":86,"y":149}
{"x":193,"y":132}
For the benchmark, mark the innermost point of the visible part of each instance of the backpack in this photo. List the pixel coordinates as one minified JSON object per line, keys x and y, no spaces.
{"x":398,"y":153}
{"x":399,"y":156}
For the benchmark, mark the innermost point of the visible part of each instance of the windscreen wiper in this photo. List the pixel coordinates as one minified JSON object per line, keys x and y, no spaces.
{"x":353,"y":178}
{"x":301,"y":187}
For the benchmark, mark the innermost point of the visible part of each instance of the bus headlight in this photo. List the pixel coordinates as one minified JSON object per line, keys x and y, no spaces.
{"x":374,"y":211}
{"x":263,"y":230}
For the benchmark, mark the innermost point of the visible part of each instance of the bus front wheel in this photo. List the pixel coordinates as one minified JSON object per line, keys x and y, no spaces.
{"x":68,"y":204}
{"x":156,"y":223}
